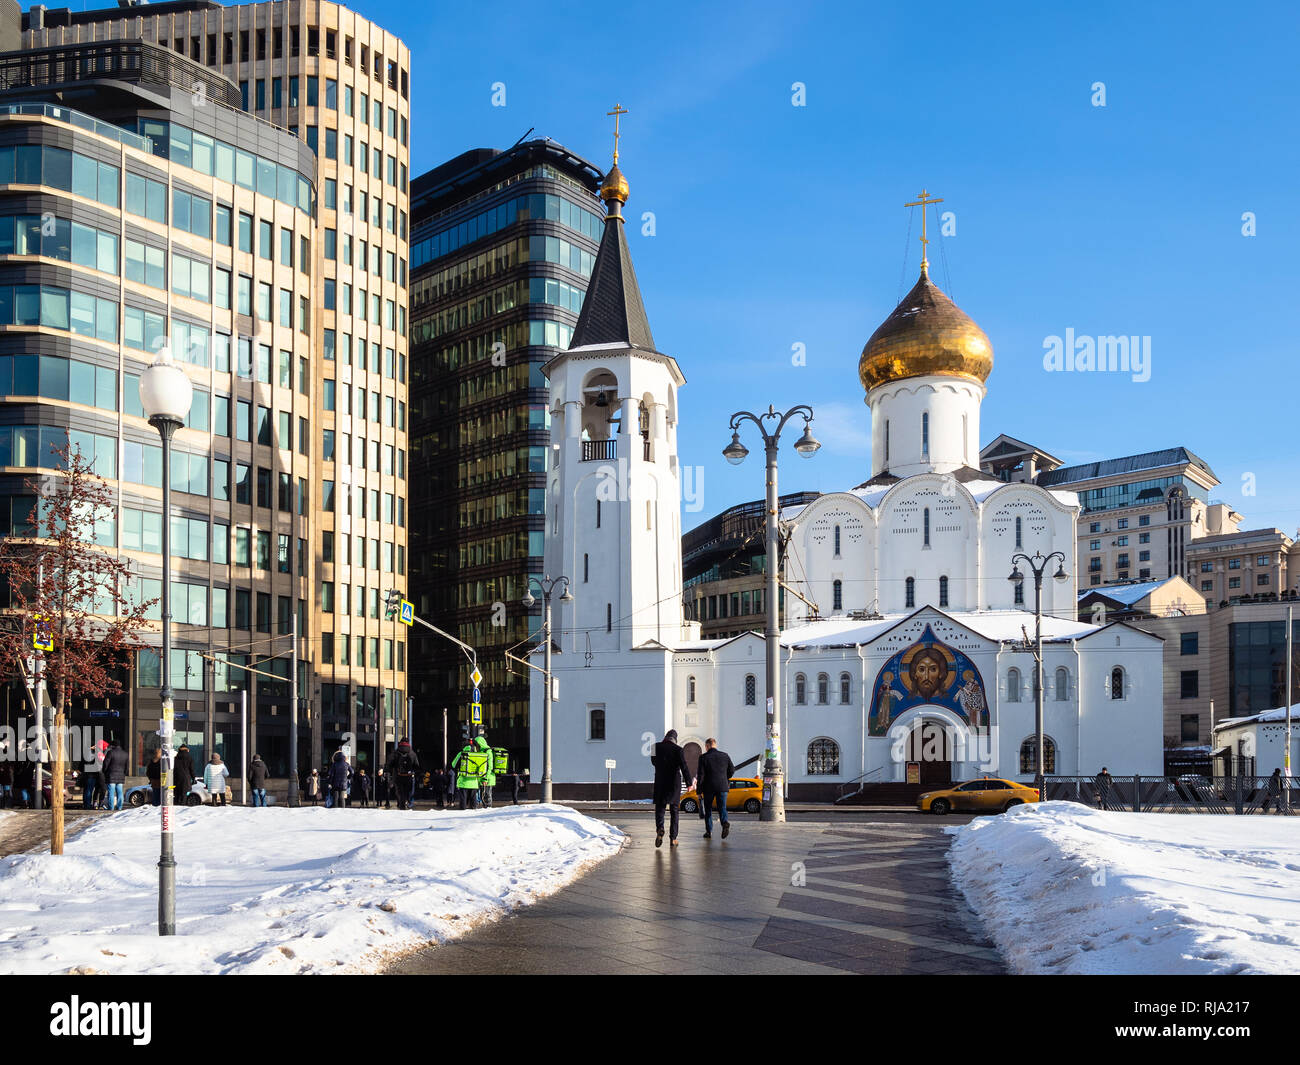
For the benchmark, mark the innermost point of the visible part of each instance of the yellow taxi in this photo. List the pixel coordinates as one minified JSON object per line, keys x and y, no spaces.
{"x":986,"y":795}
{"x":744,"y":793}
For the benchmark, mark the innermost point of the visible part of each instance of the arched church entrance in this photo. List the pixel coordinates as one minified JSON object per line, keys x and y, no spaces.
{"x":692,"y":751}
{"x":930,"y":744}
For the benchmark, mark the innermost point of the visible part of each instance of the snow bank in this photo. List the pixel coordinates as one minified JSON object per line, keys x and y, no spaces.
{"x":284,"y":891}
{"x":1065,"y":889}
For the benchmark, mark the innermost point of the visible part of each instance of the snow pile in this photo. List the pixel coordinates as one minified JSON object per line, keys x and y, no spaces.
{"x":1066,"y":889}
{"x":284,"y":891}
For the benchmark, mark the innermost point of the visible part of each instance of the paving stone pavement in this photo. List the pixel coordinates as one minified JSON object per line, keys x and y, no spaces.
{"x":861,"y":897}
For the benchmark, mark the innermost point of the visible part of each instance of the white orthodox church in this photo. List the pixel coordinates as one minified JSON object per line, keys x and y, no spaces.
{"x":912,"y":664}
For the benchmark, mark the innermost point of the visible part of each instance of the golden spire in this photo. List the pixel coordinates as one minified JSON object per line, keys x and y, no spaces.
{"x":619,"y":109}
{"x":922,"y":203}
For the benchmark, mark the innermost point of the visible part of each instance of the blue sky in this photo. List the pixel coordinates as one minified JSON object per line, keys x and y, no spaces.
{"x":779,"y":225}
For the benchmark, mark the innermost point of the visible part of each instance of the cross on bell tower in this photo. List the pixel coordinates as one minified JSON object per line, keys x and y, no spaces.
{"x":922,"y":203}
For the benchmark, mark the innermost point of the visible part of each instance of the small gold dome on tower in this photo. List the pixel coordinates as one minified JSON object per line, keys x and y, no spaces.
{"x":614,"y":187}
{"x":926,"y":334}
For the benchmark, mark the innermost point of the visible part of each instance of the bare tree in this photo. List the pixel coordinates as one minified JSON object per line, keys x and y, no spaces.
{"x":75,"y":593}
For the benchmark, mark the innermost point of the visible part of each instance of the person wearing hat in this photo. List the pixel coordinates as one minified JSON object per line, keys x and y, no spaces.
{"x":671,"y":770}
{"x":403,"y":764}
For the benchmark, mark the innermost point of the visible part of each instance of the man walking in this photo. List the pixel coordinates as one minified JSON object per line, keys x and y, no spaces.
{"x":403,"y":764}
{"x":1103,"y":780}
{"x":115,"y":766}
{"x":715,"y":781}
{"x":671,"y":770}
{"x":257,"y":780}
{"x":1274,"y":794}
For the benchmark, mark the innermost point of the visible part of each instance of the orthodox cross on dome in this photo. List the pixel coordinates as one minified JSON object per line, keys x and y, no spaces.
{"x":619,"y":109}
{"x":922,"y":203}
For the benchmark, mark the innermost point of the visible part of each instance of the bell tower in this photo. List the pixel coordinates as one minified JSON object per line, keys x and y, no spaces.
{"x":613,"y":485}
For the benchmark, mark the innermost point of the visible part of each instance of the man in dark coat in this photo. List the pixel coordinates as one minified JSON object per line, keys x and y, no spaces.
{"x":1274,"y":794}
{"x":715,"y":772}
{"x":182,"y":776}
{"x":438,"y":782}
{"x":116,"y":763}
{"x":340,"y":778}
{"x":671,"y":770}
{"x":1103,"y":781}
{"x":402,"y":767}
{"x":257,"y":780}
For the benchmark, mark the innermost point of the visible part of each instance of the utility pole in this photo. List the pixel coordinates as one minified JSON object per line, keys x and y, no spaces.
{"x":293,"y":716}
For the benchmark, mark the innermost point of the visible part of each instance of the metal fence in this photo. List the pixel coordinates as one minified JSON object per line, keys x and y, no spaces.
{"x":1240,"y":794}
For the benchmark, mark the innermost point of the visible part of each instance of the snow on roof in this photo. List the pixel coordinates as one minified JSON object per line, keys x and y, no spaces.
{"x":1276,"y":714}
{"x":1128,"y":594}
{"x":991,"y":624}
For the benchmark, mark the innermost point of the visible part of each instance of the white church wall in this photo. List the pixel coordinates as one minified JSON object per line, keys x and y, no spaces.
{"x":816,"y":566}
{"x":1126,"y":735}
{"x":953,"y":406}
{"x":1046,"y":526}
{"x":951,"y":551}
{"x":835,"y":719}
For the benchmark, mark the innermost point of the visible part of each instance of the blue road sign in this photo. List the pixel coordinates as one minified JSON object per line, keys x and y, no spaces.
{"x":407,"y":615}
{"x":477,"y":698}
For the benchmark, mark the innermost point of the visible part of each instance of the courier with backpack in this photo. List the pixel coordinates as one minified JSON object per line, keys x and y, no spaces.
{"x":402,"y":766}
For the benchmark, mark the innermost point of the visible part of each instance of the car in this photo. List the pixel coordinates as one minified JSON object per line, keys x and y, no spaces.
{"x":977,"y":796}
{"x":140,"y":795}
{"x":745,"y":793}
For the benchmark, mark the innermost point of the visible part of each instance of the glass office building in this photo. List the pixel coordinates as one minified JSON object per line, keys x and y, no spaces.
{"x":502,"y":246}
{"x":305,"y":275}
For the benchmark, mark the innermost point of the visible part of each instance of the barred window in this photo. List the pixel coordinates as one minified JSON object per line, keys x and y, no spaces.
{"x":1027,"y":760}
{"x":751,"y":696}
{"x":845,"y":688}
{"x":1117,"y":683}
{"x":800,"y":689}
{"x":823,"y":757}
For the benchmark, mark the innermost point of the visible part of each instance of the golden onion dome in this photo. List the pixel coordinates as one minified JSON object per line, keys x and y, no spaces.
{"x":926,"y":334}
{"x":614,"y":187}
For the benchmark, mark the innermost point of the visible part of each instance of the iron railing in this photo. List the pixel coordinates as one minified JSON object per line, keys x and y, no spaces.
{"x":599,"y":450}
{"x":1195,"y":794}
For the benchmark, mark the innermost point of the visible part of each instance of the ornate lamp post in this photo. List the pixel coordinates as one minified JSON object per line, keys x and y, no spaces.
{"x":735,"y":452}
{"x":546,"y":586}
{"x":1038,"y":565}
{"x":165,"y":396}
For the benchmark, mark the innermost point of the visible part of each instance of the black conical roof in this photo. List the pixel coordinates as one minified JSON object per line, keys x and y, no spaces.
{"x":612,"y":312}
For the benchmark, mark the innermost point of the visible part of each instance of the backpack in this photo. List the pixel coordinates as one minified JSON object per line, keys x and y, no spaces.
{"x":402,"y":762}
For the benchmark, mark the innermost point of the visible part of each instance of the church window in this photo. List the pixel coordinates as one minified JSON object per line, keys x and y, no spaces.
{"x":751,"y":694}
{"x":1019,"y":541}
{"x":609,"y":617}
{"x":1062,"y":684}
{"x":596,"y":723}
{"x":1117,"y":683}
{"x":800,"y":689}
{"x":925,"y":524}
{"x":597,"y":513}
{"x":690,"y":690}
{"x":886,"y":441}
{"x":823,"y":757}
{"x":586,"y":560}
{"x":1013,"y":685}
{"x":555,"y":520}
{"x":910,"y":592}
{"x":823,"y":688}
{"x":1019,"y":598}
{"x":943,"y":591}
{"x":1028,"y":750}
{"x":965,"y":441}
{"x":838,"y":595}
{"x":837,"y":541}
{"x":846,"y":685}
{"x":925,"y":436}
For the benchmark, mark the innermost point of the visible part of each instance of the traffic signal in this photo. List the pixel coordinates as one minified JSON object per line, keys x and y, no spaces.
{"x":42,"y":634}
{"x":392,"y":602}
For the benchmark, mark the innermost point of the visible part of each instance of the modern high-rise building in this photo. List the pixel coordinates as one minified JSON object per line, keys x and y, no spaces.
{"x":247,"y":202}
{"x":503,"y":244}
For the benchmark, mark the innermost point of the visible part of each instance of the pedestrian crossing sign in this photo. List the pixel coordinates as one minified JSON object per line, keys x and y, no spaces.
{"x":42,"y":634}
{"x":476,"y":713}
{"x":407,"y":616}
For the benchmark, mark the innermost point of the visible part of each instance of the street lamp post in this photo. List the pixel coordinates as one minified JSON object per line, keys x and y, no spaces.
{"x":1038,"y":565}
{"x":546,"y":586}
{"x":165,"y":396}
{"x":773,"y":784}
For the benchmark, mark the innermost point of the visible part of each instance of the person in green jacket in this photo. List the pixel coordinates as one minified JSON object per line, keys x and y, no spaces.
{"x":468,"y":764}
{"x":489,"y":779}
